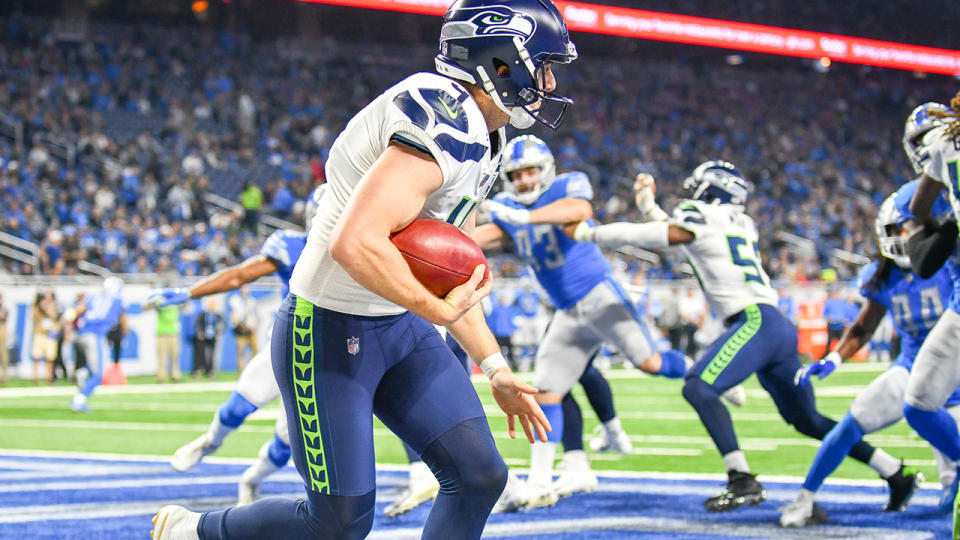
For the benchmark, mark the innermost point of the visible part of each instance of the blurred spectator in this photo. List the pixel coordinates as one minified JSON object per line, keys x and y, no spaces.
{"x":669,"y":319}
{"x":209,"y":326}
{"x":243,"y":321}
{"x":838,"y":314}
{"x":693,"y":313}
{"x":44,"y":344}
{"x":252,"y":199}
{"x":116,"y":335}
{"x":168,"y":343}
{"x":500,"y":319}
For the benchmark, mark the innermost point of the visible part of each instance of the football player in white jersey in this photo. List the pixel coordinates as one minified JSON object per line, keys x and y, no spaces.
{"x":355,"y":336}
{"x":931,"y":245}
{"x":720,"y":241}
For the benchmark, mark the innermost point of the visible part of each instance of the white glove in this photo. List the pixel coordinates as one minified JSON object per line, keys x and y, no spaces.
{"x":507,"y":214}
{"x":645,"y":191}
{"x":583,"y":232}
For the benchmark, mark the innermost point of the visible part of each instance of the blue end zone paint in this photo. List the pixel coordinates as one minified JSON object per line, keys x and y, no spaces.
{"x":111,"y":499}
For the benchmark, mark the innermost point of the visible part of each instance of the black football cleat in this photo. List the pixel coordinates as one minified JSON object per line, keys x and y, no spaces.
{"x":903,"y":484}
{"x":742,"y":488}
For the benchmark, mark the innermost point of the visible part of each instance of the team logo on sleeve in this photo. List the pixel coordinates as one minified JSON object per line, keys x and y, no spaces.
{"x":353,"y":345}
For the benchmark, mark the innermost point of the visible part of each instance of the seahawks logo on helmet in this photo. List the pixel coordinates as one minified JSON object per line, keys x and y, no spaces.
{"x":490,"y":21}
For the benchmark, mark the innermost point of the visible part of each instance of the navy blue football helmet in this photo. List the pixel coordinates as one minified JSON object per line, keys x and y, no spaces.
{"x":717,"y":182}
{"x":504,"y":47}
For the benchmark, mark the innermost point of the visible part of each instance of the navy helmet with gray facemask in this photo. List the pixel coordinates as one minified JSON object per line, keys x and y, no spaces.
{"x":504,"y":47}
{"x":717,"y":182}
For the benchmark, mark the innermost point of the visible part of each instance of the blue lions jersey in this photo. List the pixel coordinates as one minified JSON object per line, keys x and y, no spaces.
{"x":940,"y":210}
{"x":915,"y":304}
{"x":102,"y":314}
{"x":284,"y":247}
{"x":565,"y":268}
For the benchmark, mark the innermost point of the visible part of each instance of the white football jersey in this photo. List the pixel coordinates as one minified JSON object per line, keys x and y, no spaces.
{"x":428,"y":112}
{"x":724,"y":255}
{"x":943,"y":164}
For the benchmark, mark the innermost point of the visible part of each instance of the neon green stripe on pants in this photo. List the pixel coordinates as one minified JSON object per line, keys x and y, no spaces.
{"x":733,"y":345}
{"x":308,"y":407}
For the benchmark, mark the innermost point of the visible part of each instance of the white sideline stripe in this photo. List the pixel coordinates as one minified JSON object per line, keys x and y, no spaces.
{"x":42,"y":391}
{"x":137,"y":482}
{"x":392,"y":467}
{"x":665,"y":525}
{"x":748,"y":443}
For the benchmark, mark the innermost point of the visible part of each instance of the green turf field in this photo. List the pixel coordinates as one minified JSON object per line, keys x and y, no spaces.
{"x":667,"y":435}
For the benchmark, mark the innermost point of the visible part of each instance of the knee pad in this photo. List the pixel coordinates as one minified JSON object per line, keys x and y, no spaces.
{"x":279,"y":452}
{"x":341,"y":517}
{"x":235,"y":410}
{"x":697,"y":392}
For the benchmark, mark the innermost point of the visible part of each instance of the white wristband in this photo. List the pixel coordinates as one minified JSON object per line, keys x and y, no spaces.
{"x":492,"y":363}
{"x":834,"y":357}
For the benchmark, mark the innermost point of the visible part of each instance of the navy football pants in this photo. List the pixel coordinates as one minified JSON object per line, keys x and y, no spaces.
{"x":761,"y":340}
{"x":335,"y":371}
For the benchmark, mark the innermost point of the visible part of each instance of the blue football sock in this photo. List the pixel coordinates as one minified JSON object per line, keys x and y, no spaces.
{"x":91,"y":384}
{"x":836,"y":445}
{"x":554,"y":414}
{"x":937,"y":427}
{"x":235,"y":410}
{"x":279,"y":452}
{"x":598,"y":393}
{"x":572,"y":424}
{"x":673,"y":364}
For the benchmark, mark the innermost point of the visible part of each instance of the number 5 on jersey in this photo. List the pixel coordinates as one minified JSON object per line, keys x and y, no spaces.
{"x":751,"y":261}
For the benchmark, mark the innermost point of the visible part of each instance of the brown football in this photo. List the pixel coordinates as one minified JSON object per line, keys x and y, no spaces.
{"x":440,"y":255}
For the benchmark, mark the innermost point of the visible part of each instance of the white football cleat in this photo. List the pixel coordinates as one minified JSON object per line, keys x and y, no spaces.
{"x":540,"y":496}
{"x":247,"y":492}
{"x":576,"y":476}
{"x":175,"y":523}
{"x":423,"y":487}
{"x":513,"y":497}
{"x":618,"y":442}
{"x":802,"y":512}
{"x":736,"y":396}
{"x":187,"y":456}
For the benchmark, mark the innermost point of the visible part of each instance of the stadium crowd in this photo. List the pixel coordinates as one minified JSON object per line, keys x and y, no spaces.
{"x":123,"y":135}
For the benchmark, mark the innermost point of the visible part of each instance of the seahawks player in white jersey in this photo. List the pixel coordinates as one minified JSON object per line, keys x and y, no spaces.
{"x":592,"y":307}
{"x":354,"y":338}
{"x":257,"y":386}
{"x":936,"y":371}
{"x":721,"y":243}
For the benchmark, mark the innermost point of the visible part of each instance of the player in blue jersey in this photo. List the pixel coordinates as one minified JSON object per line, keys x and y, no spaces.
{"x":592,"y":308}
{"x":102,"y":313}
{"x":916,"y":303}
{"x":257,"y":386}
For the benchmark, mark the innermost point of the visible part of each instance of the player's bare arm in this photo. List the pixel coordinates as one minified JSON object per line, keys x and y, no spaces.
{"x":930,"y":243}
{"x":514,"y":396}
{"x":563,"y":211}
{"x":489,"y":236}
{"x":922,"y":201}
{"x":235,"y":276}
{"x":858,"y":334}
{"x":388,"y":198}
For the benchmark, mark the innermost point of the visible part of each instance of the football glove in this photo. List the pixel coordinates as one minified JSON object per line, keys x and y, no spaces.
{"x":821,"y":369}
{"x":168,"y":297}
{"x":507,"y":214}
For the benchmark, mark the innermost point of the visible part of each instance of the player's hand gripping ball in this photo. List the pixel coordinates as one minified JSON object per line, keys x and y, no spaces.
{"x":440,"y":255}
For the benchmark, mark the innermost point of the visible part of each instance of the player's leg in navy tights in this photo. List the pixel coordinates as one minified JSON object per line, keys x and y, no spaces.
{"x":597,"y":389}
{"x":572,"y":424}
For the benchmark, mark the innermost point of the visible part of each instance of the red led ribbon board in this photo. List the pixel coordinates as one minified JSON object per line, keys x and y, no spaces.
{"x":654,"y":25}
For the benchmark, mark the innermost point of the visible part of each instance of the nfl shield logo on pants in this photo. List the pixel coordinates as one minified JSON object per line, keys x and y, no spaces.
{"x":353,"y":345}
